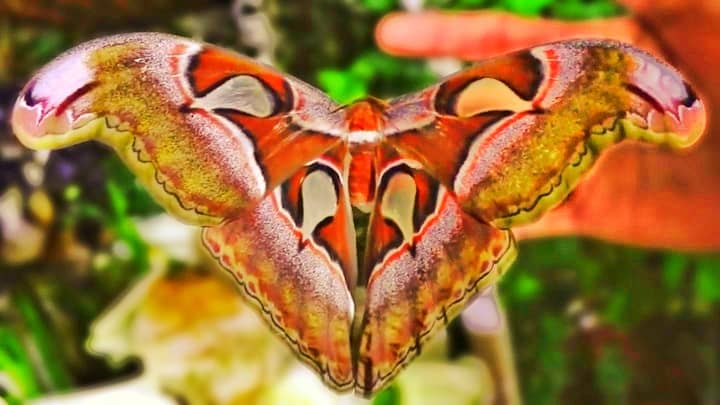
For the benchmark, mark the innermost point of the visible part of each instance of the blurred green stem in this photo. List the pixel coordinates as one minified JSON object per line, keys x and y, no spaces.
{"x":44,"y":347}
{"x":496,"y":350}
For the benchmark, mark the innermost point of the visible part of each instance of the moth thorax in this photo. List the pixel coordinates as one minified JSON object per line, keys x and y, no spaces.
{"x":365,"y":120}
{"x":361,"y":179}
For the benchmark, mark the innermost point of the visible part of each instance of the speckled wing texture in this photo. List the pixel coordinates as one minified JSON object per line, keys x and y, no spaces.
{"x":270,"y":168}
{"x":205,"y":129}
{"x":294,"y":255}
{"x":511,"y":136}
{"x":425,"y":259}
{"x":222,"y":141}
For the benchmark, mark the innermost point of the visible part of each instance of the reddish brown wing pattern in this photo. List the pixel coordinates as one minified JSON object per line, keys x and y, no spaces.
{"x":294,"y":255}
{"x":426,"y":127}
{"x":203,"y":128}
{"x":512,"y":135}
{"x":281,"y":136}
{"x":220,"y":139}
{"x":425,"y":259}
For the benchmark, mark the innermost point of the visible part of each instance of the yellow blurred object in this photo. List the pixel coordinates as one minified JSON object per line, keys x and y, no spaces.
{"x":41,"y":207}
{"x":22,"y":241}
{"x":195,"y":336}
{"x":199,"y":340}
{"x":466,"y":381}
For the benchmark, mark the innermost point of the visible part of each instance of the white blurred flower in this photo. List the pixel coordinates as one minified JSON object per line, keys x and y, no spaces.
{"x":196,"y":337}
{"x":22,"y":240}
{"x":139,"y":391}
{"x":178,"y":240}
{"x":303,"y":387}
{"x":466,"y":381}
{"x":412,"y":5}
{"x":444,"y":66}
{"x":199,"y":340}
{"x":483,"y":315}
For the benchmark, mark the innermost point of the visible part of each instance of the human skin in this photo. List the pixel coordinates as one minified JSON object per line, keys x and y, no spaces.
{"x":635,"y":194}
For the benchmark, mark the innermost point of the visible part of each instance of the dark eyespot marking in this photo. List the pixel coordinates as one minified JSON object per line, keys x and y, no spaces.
{"x":691,"y":95}
{"x":525,"y":78}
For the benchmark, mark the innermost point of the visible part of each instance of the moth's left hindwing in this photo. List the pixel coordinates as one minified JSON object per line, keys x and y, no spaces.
{"x":206,"y":130}
{"x":294,"y":255}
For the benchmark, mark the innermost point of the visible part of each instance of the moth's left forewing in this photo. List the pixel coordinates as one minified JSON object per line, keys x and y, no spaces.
{"x":425,"y":259}
{"x":512,"y":135}
{"x":207,"y":131}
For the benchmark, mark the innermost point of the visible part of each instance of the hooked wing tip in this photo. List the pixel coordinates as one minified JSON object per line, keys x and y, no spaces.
{"x":672,"y":106}
{"x":50,"y":104}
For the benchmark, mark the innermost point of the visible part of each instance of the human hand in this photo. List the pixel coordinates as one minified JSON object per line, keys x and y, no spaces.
{"x":635,"y":194}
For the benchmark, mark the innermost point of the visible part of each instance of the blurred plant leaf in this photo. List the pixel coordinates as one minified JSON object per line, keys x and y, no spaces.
{"x":15,"y":368}
{"x":526,"y":287}
{"x":673,"y":269}
{"x":550,"y":374}
{"x":388,"y":396}
{"x":342,"y":86}
{"x":617,"y":307}
{"x":706,"y":283}
{"x":374,"y":73}
{"x":612,"y":376}
{"x":583,"y":9}
{"x":137,"y":199}
{"x":525,"y":7}
{"x":51,"y":367}
{"x":379,"y":6}
{"x":125,"y":228}
{"x":470,"y":4}
{"x":47,"y":45}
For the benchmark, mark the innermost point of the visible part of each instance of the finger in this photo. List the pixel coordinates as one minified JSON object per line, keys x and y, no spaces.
{"x":482,"y":34}
{"x":661,"y":6}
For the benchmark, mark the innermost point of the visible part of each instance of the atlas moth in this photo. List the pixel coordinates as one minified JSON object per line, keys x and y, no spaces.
{"x":270,"y":167}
